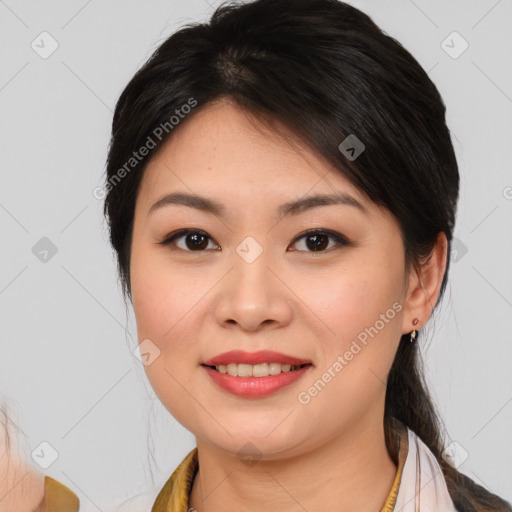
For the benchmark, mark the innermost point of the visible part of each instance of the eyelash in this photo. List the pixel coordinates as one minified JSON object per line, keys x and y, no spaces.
{"x":337,"y":237}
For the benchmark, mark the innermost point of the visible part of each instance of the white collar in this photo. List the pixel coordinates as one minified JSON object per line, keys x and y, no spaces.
{"x":422,"y":484}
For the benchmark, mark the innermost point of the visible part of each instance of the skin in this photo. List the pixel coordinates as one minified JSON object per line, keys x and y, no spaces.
{"x":194,"y":304}
{"x":21,"y":485}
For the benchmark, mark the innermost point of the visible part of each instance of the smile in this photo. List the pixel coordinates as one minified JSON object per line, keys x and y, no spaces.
{"x":256,"y":370}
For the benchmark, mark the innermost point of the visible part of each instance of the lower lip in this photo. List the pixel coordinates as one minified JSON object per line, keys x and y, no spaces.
{"x":255,"y":387}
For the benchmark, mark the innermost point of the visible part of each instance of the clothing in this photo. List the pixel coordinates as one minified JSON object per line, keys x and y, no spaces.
{"x":423,"y":487}
{"x":58,"y":498}
{"x":174,"y":496}
{"x":419,"y":484}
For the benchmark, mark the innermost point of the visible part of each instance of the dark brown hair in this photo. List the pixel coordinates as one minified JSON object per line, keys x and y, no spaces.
{"x":325,"y":70}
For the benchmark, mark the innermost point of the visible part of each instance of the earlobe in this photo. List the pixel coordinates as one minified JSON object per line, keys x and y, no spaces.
{"x":425,"y":285}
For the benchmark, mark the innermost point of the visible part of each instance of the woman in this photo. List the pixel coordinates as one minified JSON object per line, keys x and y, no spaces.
{"x":281,"y":197}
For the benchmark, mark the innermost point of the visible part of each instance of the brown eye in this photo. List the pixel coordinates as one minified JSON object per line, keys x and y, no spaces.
{"x":194,"y":240}
{"x":318,"y":240}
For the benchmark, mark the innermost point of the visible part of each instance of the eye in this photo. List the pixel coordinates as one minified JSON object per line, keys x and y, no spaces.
{"x":318,"y":240}
{"x":196,"y":240}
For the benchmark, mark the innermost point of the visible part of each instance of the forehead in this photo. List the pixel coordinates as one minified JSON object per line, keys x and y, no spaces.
{"x":221,"y":150}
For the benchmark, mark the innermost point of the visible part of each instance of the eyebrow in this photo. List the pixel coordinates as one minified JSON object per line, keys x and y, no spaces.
{"x":293,"y":208}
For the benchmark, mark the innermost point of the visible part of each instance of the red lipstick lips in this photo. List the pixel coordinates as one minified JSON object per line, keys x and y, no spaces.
{"x":262,"y":356}
{"x":255,"y":387}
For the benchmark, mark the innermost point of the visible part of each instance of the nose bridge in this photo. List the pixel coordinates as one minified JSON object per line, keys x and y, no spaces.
{"x":251,"y":274}
{"x":252,"y":294}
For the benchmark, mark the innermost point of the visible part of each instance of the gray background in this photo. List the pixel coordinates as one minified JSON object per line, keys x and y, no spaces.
{"x":66,"y":366}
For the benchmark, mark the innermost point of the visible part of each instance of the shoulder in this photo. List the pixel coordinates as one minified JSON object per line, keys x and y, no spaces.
{"x":58,"y":497}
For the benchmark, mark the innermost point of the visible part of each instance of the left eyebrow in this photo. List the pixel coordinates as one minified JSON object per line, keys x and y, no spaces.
{"x":293,"y":208}
{"x":301,"y":205}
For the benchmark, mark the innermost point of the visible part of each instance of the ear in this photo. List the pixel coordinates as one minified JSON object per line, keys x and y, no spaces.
{"x":423,"y":289}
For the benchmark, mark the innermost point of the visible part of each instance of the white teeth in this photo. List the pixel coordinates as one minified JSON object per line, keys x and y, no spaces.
{"x":257,"y":370}
{"x":233,"y":369}
{"x":245,"y":370}
{"x":260,"y":370}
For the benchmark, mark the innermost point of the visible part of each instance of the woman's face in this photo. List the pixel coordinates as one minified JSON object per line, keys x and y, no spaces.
{"x":251,"y":281}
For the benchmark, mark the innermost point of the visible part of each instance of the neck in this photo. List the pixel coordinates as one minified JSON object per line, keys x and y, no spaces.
{"x":351,"y":472}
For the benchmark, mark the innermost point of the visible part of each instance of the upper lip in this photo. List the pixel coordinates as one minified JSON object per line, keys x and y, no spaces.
{"x":262,"y":356}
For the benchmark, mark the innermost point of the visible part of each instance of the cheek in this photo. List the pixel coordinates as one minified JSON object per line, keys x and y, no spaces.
{"x":166,"y":304}
{"x":163,"y":297}
{"x":359,"y":339}
{"x":359,"y":327}
{"x":346,"y":302}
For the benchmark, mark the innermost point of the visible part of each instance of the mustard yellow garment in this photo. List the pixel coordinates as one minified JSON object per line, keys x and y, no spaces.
{"x":58,"y":498}
{"x":174,"y":496}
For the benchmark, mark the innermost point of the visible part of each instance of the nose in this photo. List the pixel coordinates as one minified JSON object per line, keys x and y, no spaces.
{"x":253,"y":296}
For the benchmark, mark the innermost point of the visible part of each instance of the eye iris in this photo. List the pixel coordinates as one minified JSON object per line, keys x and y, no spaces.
{"x":196,"y":237}
{"x":320,"y":241}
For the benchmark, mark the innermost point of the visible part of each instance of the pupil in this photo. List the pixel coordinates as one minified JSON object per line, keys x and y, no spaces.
{"x":196,"y":238}
{"x":317,"y":241}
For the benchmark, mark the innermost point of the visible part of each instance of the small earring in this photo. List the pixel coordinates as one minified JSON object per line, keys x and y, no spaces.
{"x":413,"y":333}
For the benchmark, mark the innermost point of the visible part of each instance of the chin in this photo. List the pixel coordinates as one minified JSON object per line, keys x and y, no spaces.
{"x":255,"y":445}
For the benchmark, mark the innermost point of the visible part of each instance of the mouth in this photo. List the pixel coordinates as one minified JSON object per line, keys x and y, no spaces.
{"x":255,"y":374}
{"x":257,"y":370}
{"x":259,"y":358}
{"x":255,"y":381}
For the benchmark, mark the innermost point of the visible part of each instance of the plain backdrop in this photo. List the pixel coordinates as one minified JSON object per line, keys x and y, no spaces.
{"x":67,"y":371}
